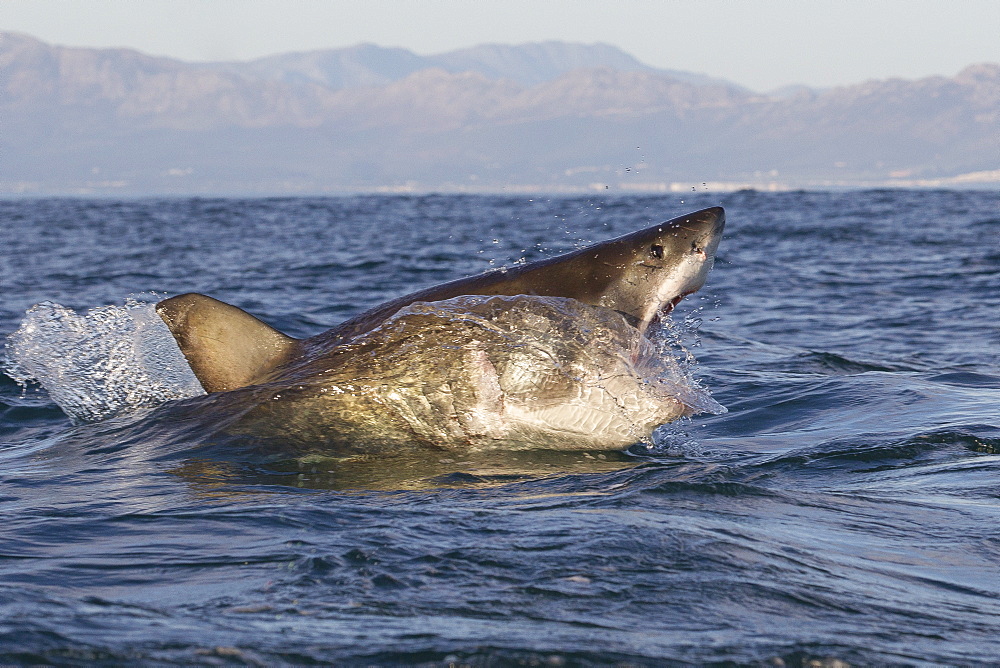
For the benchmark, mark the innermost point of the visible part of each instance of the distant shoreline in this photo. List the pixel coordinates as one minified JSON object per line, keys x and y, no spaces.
{"x":510,"y":190}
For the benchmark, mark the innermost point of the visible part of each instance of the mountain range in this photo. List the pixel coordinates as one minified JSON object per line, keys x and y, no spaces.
{"x":540,"y":117}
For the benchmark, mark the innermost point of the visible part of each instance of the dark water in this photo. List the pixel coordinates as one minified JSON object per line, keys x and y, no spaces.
{"x":846,"y":508}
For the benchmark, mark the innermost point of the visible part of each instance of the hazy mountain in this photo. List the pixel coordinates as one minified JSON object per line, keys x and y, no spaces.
{"x":552,"y":116}
{"x":361,"y":65}
{"x":371,"y":65}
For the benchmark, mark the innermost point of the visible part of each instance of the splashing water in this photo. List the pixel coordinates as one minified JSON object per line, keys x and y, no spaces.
{"x":111,"y":360}
{"x":674,"y":342}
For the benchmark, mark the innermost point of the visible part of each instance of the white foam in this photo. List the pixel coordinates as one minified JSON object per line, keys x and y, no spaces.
{"x":111,"y":360}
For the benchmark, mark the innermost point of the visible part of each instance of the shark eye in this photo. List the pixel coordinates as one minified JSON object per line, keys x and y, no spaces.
{"x":656,"y":250}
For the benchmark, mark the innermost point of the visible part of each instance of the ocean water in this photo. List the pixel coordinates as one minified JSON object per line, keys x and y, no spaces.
{"x":845,"y":510}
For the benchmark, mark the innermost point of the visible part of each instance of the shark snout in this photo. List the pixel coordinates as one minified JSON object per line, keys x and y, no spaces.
{"x":706,"y":226}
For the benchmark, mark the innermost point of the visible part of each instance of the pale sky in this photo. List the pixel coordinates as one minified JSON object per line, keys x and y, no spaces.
{"x":760,"y":44}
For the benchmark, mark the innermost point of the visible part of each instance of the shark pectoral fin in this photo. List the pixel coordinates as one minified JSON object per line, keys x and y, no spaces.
{"x":226,"y":347}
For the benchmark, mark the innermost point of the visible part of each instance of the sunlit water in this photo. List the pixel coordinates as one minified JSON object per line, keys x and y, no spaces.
{"x":845,"y":508}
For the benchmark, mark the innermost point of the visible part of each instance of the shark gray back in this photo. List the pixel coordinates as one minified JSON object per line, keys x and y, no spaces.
{"x":637,"y":274}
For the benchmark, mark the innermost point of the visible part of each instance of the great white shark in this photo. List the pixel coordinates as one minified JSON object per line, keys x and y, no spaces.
{"x":550,"y":354}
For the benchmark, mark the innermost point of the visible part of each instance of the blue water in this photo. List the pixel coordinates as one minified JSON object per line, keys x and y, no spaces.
{"x":847,"y":508}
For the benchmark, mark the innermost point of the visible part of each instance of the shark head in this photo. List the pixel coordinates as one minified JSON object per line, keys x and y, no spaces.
{"x":650,"y":271}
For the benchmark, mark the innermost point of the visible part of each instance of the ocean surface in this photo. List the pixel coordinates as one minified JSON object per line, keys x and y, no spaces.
{"x":846,"y":509}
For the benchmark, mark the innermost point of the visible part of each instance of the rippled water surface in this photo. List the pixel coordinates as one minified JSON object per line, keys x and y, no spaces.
{"x":846,"y":508}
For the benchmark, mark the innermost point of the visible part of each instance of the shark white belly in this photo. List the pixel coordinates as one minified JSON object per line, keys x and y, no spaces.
{"x":477,"y":372}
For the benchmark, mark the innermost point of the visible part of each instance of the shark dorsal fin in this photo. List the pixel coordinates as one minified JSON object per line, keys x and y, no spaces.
{"x":226,"y":347}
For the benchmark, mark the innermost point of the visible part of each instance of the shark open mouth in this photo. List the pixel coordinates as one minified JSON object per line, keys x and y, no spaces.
{"x":651,"y":322}
{"x":667,"y":308}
